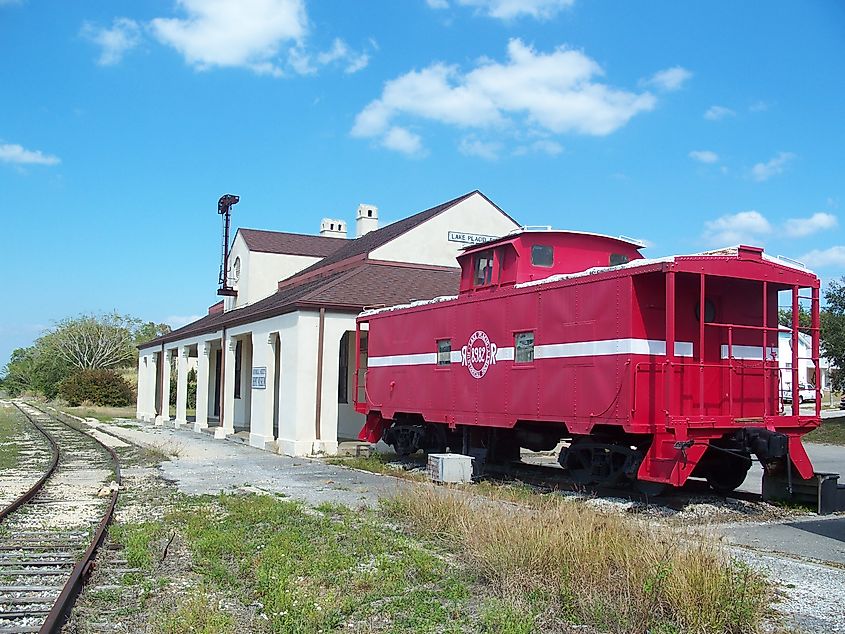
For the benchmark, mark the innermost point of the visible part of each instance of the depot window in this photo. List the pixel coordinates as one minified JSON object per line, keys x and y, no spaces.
{"x":444,"y":351}
{"x":542,"y":255}
{"x":483,"y":270}
{"x":523,"y":347}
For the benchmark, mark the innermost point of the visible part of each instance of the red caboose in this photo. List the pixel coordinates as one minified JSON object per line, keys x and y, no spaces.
{"x":654,"y":370}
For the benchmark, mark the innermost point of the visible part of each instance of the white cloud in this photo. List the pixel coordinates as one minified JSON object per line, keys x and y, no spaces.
{"x":555,"y":92}
{"x":541,"y":146}
{"x":546,"y":146}
{"x":801,"y":227}
{"x":488,"y":150}
{"x":510,"y":9}
{"x":340,"y":52}
{"x":114,"y":42}
{"x":356,"y":62}
{"x":404,"y":141}
{"x":717,"y":113}
{"x":743,"y":227}
{"x":226,"y":33}
{"x":776,"y":165}
{"x":18,"y":155}
{"x":704,"y":156}
{"x":824,"y":258}
{"x":670,"y":79}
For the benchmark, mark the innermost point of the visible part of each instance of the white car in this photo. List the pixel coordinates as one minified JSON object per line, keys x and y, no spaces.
{"x":806,"y":392}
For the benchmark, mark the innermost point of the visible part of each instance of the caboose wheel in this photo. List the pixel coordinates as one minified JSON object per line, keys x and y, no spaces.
{"x":649,"y":488}
{"x":405,"y":439}
{"x":729,"y":472}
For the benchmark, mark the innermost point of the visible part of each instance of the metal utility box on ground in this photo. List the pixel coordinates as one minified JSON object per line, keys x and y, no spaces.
{"x":450,"y":467}
{"x":822,"y":491}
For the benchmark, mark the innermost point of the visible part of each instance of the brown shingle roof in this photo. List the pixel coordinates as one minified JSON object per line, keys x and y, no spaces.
{"x":367,"y":284}
{"x":349,"y":286}
{"x":371,"y":241}
{"x":290,"y":243}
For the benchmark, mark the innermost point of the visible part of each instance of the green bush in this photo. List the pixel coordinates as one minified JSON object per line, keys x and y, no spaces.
{"x":192,"y":389}
{"x":98,"y":387}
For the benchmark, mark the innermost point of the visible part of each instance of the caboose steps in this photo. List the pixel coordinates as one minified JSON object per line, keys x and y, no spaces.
{"x":822,"y":491}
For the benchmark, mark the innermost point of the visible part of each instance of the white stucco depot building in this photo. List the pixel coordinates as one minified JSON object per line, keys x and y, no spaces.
{"x":276,"y":362}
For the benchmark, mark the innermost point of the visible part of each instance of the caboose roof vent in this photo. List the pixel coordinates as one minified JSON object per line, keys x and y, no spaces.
{"x":332,"y":228}
{"x":366,"y":219}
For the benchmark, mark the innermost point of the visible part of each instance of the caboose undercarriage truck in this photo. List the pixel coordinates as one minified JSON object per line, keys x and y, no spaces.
{"x":651,"y":370}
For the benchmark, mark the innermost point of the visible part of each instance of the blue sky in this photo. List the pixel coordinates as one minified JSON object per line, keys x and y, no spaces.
{"x":690,"y":125}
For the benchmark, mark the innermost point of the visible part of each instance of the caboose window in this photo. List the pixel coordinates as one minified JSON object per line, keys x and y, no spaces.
{"x":618,"y":258}
{"x":523,"y":347}
{"x":483,"y":272}
{"x":541,"y":255}
{"x":444,"y":351}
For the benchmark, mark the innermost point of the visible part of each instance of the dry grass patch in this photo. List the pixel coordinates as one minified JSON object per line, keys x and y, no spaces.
{"x":614,"y":573}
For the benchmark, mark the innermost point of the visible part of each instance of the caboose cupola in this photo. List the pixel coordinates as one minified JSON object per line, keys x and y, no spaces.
{"x":534,"y":254}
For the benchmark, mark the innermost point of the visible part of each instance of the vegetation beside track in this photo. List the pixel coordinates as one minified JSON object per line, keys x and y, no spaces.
{"x":433,"y":560}
{"x":305,"y":570}
{"x":566,"y":562}
{"x":12,"y":426}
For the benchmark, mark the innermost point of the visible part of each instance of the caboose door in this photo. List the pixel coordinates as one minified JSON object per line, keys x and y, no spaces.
{"x":712,"y":380}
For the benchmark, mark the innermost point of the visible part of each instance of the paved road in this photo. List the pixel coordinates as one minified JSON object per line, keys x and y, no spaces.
{"x":826,"y":459}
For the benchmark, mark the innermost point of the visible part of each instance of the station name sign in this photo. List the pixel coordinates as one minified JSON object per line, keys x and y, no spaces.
{"x":259,"y":378}
{"x":469,"y":238}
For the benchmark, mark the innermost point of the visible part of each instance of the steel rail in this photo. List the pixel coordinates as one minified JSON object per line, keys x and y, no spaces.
{"x":35,"y":488}
{"x":60,"y":611}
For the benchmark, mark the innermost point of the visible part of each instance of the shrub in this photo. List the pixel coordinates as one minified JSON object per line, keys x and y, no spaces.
{"x":98,"y":387}
{"x":192,"y":389}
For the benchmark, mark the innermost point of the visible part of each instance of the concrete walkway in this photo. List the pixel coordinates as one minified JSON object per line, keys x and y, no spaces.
{"x":208,"y":466}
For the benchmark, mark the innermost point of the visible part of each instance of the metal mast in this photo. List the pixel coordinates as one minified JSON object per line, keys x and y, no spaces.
{"x":224,"y":208}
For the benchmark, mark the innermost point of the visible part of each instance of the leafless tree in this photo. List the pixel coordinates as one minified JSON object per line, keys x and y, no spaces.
{"x":93,"y":342}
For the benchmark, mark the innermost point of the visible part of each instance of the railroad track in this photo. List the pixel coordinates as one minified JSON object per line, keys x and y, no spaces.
{"x":550,"y":478}
{"x":49,"y":534}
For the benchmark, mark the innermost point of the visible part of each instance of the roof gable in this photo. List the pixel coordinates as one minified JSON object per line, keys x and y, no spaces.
{"x":360,"y":247}
{"x":284,"y":243}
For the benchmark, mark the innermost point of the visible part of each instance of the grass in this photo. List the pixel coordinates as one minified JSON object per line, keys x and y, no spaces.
{"x":831,"y":432}
{"x":439,"y":560}
{"x":102,"y":414}
{"x":563,"y":561}
{"x":12,"y":426}
{"x":312,"y":570}
{"x":197,"y":614}
{"x":378,"y":463}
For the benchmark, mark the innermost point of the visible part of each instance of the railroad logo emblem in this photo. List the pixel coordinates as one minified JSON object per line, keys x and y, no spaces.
{"x":479,"y":354}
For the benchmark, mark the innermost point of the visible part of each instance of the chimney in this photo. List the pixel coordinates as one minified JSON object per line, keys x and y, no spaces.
{"x":331,"y":228}
{"x":366,"y":219}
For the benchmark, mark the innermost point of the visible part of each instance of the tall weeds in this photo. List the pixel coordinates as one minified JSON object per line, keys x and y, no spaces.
{"x":615,"y":573}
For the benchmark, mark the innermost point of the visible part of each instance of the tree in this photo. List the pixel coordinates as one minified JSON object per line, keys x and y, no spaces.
{"x":144,"y":332}
{"x":833,"y":330}
{"x":34,"y":370}
{"x":73,"y":344}
{"x":805,"y":319}
{"x":91,"y":342}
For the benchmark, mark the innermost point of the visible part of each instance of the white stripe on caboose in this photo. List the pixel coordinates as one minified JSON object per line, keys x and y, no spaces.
{"x":606,"y":347}
{"x":425,"y":358}
{"x":609,"y":347}
{"x":752,"y":353}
